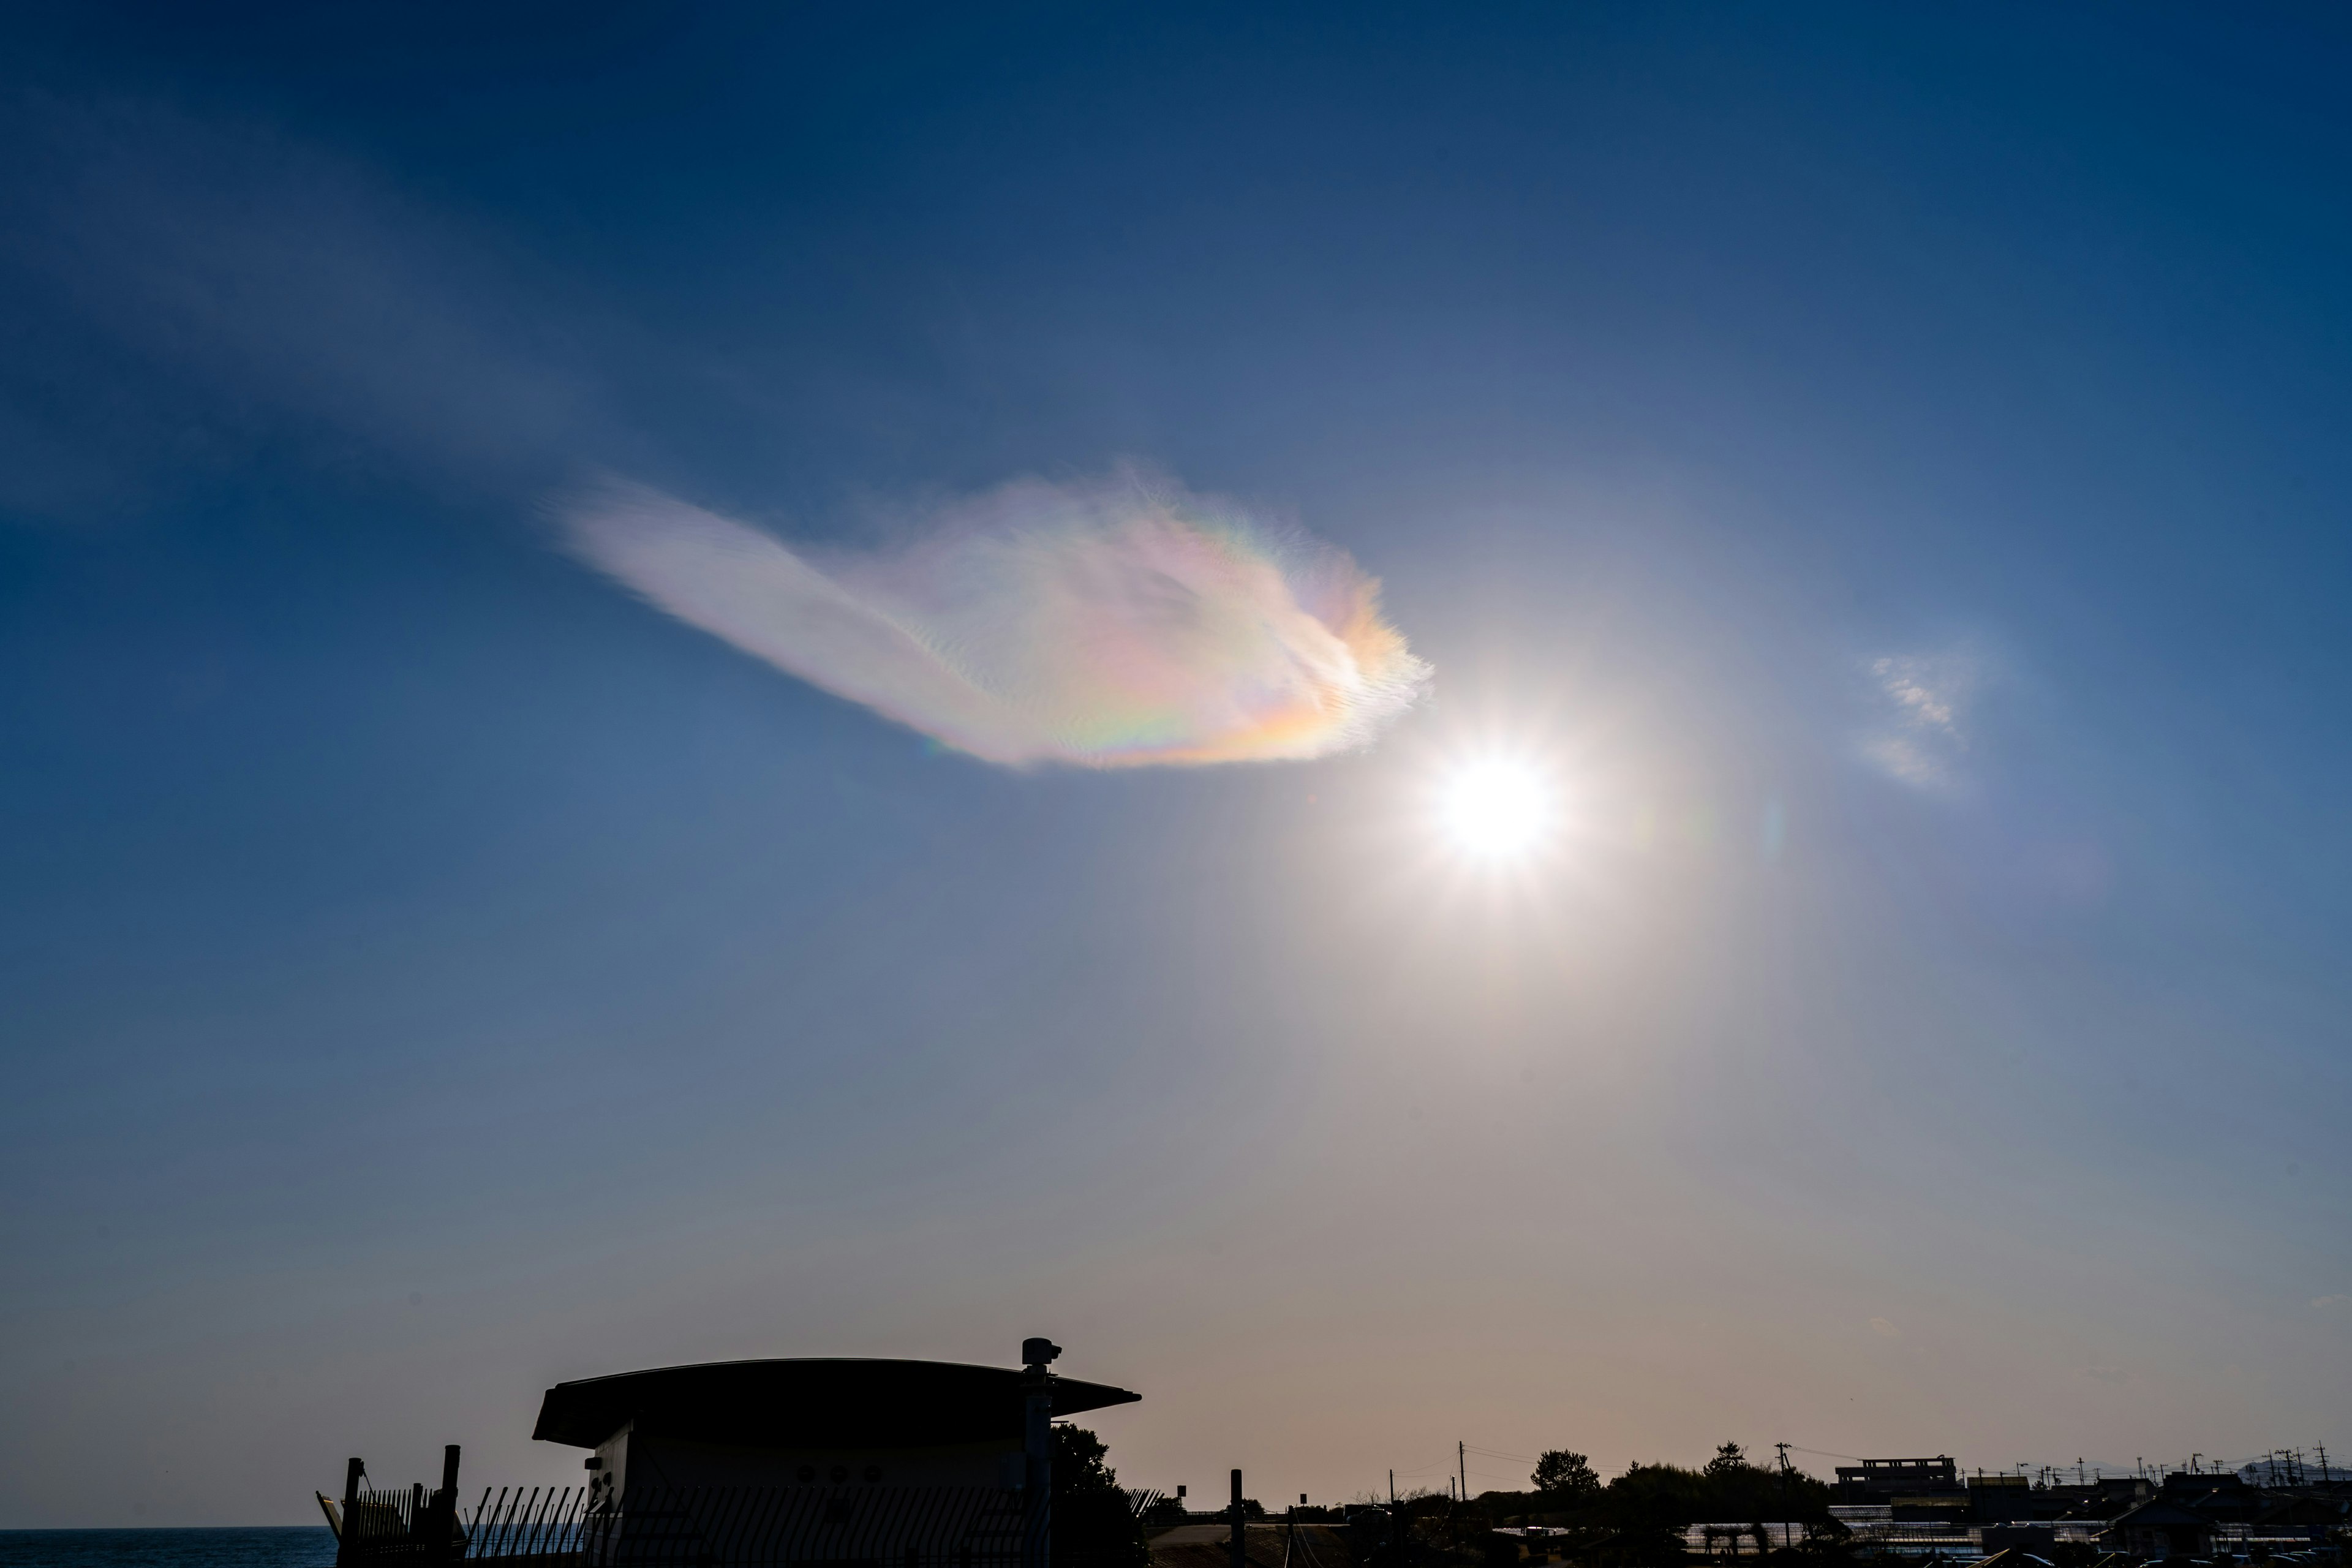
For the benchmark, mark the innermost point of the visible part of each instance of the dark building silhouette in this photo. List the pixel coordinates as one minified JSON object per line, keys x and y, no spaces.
{"x":806,"y":1422}
{"x":762,"y":1463}
{"x":1882,"y":1480}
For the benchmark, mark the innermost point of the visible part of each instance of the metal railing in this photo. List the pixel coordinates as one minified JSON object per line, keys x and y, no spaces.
{"x":763,"y":1527}
{"x":543,"y":1523}
{"x":692,"y":1527}
{"x":413,"y":1525}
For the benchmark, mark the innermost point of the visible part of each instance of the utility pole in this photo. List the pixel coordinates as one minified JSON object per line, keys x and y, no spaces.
{"x":1239,"y":1546}
{"x":1037,"y":1355}
{"x":1462,"y":1459}
{"x":1788,"y":1474}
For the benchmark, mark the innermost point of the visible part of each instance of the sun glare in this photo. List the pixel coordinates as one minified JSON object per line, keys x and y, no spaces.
{"x":1499,"y":810}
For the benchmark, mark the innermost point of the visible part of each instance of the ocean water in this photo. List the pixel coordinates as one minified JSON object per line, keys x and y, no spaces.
{"x":289,"y":1546}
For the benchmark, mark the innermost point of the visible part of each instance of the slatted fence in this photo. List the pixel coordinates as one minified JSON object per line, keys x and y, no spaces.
{"x":691,"y":1527}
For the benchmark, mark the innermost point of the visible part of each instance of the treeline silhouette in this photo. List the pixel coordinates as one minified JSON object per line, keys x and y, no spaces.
{"x":1727,"y":1489}
{"x":1633,"y":1521}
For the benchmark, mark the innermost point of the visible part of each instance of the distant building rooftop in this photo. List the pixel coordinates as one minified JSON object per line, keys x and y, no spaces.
{"x":1877,"y":1480}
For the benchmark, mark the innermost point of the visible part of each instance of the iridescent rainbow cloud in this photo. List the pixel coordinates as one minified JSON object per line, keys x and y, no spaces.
{"x":1117,"y":623}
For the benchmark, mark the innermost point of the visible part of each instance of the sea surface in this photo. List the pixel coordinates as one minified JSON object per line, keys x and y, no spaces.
{"x":288,"y":1546}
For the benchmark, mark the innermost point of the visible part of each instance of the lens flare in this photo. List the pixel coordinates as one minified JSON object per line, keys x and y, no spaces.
{"x":1499,"y":809}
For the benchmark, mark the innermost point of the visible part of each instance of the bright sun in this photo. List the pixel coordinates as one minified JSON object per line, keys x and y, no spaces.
{"x":1498,"y":809}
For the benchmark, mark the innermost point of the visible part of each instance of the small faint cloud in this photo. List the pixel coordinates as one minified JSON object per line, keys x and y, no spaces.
{"x":1918,"y":736}
{"x":1885,"y":1329}
{"x":2108,"y":1373}
{"x":1906,"y":681}
{"x":1906,"y":760}
{"x":2325,"y":1302}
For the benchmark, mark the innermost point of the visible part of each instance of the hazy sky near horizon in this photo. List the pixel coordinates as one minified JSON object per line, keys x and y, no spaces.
{"x":1886,"y":465}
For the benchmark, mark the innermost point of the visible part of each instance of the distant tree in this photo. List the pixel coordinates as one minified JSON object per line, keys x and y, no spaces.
{"x":1079,"y":1462}
{"x":1561,"y":1474}
{"x":1094,"y":1525}
{"x":1658,"y":1497}
{"x":1729,"y":1460}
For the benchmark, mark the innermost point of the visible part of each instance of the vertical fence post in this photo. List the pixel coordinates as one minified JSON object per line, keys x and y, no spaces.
{"x":1238,"y":1547}
{"x":345,"y":1545}
{"x":444,"y":1545}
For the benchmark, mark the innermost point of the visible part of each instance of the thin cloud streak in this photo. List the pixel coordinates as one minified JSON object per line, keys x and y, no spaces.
{"x":184,"y":294}
{"x":1117,"y":624}
{"x":1921,"y":741}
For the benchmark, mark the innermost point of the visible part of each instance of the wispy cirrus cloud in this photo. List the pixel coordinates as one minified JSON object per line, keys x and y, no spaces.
{"x":180,"y":294}
{"x":1919,"y":737}
{"x":1113,"y":624}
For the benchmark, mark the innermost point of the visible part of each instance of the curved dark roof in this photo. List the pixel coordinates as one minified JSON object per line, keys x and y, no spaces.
{"x":809,"y":1403}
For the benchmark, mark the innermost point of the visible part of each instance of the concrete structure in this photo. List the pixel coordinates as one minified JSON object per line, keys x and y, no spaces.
{"x":1877,"y":1480}
{"x":2003,"y":1500}
{"x":807,"y":1423}
{"x":907,"y":1463}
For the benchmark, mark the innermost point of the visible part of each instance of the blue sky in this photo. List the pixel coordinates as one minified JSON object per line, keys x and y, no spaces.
{"x":1885,"y":464}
